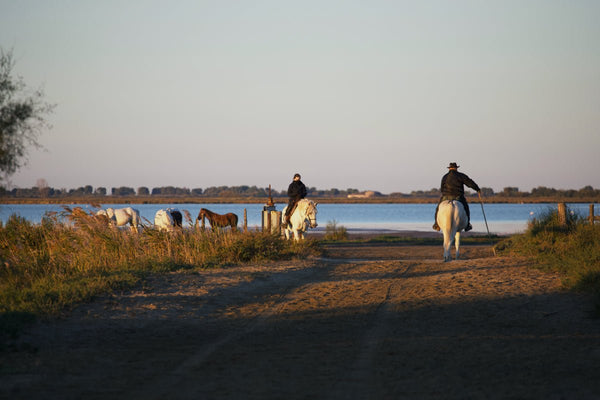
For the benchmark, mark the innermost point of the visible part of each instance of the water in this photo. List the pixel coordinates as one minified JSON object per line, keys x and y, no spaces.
{"x":501,"y":218}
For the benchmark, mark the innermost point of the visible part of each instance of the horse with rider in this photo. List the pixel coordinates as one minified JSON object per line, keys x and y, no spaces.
{"x":296,"y":192}
{"x":452,"y":188}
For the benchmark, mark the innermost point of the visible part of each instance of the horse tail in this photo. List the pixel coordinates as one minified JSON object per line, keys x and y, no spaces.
{"x":451,"y":219}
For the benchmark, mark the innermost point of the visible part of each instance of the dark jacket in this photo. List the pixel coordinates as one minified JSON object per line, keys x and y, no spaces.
{"x":296,"y":190}
{"x":453,"y":184}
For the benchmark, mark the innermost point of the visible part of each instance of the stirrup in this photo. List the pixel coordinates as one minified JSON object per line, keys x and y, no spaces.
{"x":436,"y":227}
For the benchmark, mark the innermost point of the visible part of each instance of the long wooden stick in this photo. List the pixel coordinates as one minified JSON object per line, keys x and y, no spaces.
{"x":486,"y":224}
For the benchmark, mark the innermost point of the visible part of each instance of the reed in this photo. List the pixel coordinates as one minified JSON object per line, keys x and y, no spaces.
{"x":72,"y":256}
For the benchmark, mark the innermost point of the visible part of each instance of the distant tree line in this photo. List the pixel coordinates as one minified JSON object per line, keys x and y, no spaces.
{"x":44,"y":191}
{"x":514,"y":192}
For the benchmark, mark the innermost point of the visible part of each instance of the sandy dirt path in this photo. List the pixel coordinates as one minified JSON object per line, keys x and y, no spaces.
{"x":362,"y":322}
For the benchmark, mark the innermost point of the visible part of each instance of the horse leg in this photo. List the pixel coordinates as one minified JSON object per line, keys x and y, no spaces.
{"x":447,"y":244}
{"x":132,"y":224}
{"x":296,"y":235}
{"x":135,"y":219}
{"x":457,"y":243}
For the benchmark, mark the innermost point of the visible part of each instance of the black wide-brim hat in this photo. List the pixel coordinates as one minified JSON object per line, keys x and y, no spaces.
{"x":453,"y":165}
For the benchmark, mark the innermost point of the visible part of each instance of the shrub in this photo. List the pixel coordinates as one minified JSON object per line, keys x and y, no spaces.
{"x":573,"y":250}
{"x":335,"y":232}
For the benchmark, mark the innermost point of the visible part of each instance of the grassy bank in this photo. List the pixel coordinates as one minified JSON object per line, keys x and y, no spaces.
{"x":571,"y":249}
{"x":47,"y":267}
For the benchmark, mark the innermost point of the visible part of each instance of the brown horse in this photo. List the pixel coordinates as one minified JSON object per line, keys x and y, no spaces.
{"x":217,"y":220}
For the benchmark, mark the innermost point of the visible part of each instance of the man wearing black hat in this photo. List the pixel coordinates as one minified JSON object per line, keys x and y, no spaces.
{"x":453,"y":189}
{"x":296,"y":192}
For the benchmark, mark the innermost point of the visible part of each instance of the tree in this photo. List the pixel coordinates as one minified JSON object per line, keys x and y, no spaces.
{"x":510,"y":191}
{"x":122,"y":191}
{"x":21,"y":117}
{"x":487,"y":192}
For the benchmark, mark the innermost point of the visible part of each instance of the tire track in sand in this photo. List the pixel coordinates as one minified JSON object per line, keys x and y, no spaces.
{"x":357,"y":383}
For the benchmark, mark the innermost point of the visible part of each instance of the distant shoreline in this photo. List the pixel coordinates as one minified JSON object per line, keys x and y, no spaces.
{"x":157,"y":199}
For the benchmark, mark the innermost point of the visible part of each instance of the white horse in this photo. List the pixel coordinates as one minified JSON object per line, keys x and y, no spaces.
{"x":451,"y":219}
{"x":163,"y":220}
{"x":303,"y":217}
{"x":122,"y":216}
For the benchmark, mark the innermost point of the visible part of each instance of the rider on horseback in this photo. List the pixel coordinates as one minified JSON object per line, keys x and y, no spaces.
{"x":453,"y":189}
{"x":296,"y":192}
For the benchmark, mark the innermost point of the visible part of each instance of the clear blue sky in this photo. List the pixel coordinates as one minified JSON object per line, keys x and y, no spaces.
{"x":377,"y":95}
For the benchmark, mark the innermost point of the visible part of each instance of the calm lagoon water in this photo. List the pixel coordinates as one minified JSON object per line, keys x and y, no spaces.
{"x":501,"y":218}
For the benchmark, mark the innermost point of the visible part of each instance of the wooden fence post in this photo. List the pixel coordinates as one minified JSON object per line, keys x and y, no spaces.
{"x":278,"y":214}
{"x":591,"y":219}
{"x":245,"y":220}
{"x":562,"y":214}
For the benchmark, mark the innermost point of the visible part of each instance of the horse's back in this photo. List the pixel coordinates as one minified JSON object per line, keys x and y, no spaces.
{"x":127,"y":214}
{"x":163,"y":219}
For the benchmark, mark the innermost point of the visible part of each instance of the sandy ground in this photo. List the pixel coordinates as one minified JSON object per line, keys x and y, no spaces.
{"x":361,"y":322}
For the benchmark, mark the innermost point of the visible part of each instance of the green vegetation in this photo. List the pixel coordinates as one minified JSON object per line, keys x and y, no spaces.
{"x":47,"y":267}
{"x":571,"y":248}
{"x":22,"y":117}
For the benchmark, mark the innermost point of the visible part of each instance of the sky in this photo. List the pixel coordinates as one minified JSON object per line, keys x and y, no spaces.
{"x":378,"y":95}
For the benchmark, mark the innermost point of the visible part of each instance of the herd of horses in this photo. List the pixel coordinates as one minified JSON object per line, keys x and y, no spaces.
{"x":303,"y":216}
{"x":451,"y":218}
{"x":165,"y":219}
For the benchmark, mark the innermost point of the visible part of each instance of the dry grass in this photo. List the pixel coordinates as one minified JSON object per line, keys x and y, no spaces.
{"x":73,"y":256}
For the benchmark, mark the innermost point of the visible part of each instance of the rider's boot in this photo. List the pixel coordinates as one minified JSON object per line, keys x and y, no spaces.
{"x":469,"y":227}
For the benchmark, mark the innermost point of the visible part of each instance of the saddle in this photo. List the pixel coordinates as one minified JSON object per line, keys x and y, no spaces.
{"x":450,"y":198}
{"x":290,"y":211}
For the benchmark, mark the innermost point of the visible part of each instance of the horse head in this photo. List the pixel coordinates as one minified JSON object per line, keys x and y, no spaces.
{"x":311,"y":214}
{"x":200,"y":216}
{"x":110,"y":213}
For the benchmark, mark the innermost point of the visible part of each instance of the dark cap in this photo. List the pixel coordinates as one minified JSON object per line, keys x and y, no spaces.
{"x":296,"y":176}
{"x":453,"y":165}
